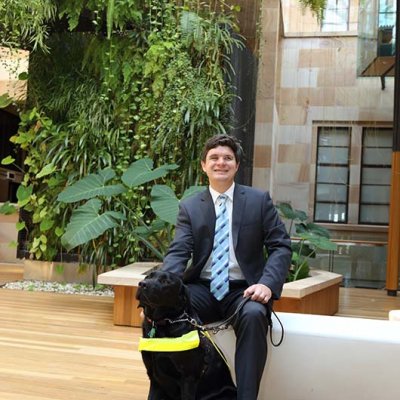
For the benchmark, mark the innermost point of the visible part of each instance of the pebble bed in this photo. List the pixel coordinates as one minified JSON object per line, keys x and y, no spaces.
{"x":57,"y":287}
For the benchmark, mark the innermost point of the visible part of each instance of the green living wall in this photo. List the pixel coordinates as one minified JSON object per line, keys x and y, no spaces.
{"x":111,"y":82}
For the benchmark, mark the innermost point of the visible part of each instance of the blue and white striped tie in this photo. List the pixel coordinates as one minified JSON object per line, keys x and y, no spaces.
{"x":219,"y":285}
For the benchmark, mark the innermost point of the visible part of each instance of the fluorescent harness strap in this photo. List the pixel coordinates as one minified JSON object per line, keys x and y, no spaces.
{"x":185,"y":342}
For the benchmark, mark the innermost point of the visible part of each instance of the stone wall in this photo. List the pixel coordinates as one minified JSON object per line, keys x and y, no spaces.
{"x":307,"y":81}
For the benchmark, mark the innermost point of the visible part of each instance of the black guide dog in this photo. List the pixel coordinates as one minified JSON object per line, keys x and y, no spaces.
{"x":196,"y":374}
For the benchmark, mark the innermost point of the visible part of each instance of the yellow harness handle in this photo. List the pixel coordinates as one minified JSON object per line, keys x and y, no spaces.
{"x":185,"y":342}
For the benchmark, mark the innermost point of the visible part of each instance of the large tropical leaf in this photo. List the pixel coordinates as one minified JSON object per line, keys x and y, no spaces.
{"x":91,"y":186}
{"x":87,"y":224}
{"x":313,"y":228}
{"x":192,"y":190}
{"x":319,"y":242}
{"x":164,"y":203}
{"x":288,"y":212}
{"x":141,"y":171}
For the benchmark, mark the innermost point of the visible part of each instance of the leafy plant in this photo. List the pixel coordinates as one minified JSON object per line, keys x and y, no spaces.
{"x":307,"y":239}
{"x":104,"y":209}
{"x":111,"y":82}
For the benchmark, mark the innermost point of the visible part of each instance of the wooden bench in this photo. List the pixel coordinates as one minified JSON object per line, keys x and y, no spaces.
{"x":318,"y":294}
{"x":125,"y":282}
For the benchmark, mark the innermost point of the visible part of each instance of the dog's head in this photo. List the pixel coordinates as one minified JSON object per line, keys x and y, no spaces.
{"x":162,"y":295}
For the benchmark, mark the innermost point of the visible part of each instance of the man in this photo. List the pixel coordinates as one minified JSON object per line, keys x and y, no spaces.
{"x":244,"y":221}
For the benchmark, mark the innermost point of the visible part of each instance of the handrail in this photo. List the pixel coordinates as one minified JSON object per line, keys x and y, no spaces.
{"x":350,"y":242}
{"x":360,"y":242}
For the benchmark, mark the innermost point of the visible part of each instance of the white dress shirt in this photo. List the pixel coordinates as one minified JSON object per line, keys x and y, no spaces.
{"x":235,"y":272}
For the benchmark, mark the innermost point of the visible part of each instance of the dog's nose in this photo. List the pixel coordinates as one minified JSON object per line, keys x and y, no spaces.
{"x":142,"y":284}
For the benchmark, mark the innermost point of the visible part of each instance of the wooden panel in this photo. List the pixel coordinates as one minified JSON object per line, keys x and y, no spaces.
{"x":393,"y":258}
{"x":322,"y":302}
{"x":126,"y":311}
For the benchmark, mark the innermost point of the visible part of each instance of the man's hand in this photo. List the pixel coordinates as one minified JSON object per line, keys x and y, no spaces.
{"x":258,"y":292}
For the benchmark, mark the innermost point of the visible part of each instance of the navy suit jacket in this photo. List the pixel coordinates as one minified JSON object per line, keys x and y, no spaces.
{"x":257,"y":230}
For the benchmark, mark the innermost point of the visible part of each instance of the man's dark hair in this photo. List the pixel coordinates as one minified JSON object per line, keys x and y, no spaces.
{"x":223,"y":140}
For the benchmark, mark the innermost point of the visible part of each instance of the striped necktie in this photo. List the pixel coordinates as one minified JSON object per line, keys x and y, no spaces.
{"x":219,"y":285}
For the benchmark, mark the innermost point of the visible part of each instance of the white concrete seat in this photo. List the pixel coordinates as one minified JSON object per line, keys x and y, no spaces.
{"x":329,"y":358}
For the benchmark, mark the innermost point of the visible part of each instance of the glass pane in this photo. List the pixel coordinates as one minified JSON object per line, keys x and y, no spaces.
{"x":375,"y":194}
{"x":336,"y":193}
{"x":378,"y":137}
{"x":330,"y":212}
{"x":332,"y":175}
{"x":336,"y":16}
{"x":387,"y":13}
{"x":333,"y":137}
{"x":333,"y":155}
{"x":374,"y":214}
{"x":377,"y":156}
{"x":376,"y":176}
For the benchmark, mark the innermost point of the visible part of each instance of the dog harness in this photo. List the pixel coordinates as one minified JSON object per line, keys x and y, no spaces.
{"x":185,"y":342}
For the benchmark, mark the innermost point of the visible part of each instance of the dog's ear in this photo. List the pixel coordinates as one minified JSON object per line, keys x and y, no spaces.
{"x":139,"y":297}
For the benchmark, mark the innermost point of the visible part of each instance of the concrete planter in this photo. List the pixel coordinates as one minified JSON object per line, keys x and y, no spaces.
{"x":58,"y":271}
{"x":318,"y":294}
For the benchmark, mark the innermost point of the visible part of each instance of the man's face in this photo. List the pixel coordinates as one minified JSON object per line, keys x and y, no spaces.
{"x":220,"y":166}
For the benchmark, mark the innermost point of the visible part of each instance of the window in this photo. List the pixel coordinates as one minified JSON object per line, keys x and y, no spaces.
{"x":332,"y":175}
{"x":375,"y":176}
{"x":336,"y":16}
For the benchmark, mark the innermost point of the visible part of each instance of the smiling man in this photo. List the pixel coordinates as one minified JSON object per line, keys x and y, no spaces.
{"x":238,"y":247}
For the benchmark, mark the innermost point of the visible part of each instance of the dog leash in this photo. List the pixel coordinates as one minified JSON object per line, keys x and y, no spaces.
{"x":220,"y":326}
{"x":270,"y":331}
{"x":215,"y":328}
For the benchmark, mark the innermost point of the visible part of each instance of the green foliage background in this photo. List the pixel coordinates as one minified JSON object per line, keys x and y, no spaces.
{"x":110,"y":82}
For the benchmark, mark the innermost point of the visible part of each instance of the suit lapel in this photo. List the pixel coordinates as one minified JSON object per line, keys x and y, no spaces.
{"x":239,"y":204}
{"x":208,"y":210}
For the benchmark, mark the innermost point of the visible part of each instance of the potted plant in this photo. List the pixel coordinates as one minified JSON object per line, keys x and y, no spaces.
{"x":308,"y":291}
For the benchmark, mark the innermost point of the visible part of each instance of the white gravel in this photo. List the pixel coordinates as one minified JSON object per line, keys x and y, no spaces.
{"x":57,"y":287}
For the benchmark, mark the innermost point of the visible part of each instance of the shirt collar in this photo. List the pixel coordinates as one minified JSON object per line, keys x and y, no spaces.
{"x":228,"y":193}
